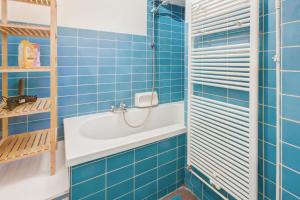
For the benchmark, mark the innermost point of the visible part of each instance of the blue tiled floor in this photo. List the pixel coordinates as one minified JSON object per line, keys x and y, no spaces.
{"x":177,"y":197}
{"x":182,"y":193}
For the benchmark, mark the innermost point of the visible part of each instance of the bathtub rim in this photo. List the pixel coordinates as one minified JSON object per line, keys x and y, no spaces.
{"x":87,"y":154}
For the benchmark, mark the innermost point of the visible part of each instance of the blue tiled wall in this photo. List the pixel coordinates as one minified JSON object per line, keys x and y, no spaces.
{"x":169,"y":38}
{"x":267,"y":106}
{"x":99,"y":69}
{"x":291,"y":99}
{"x":267,"y":103}
{"x":148,"y":172}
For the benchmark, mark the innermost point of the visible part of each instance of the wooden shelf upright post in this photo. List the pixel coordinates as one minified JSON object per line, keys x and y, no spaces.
{"x":53,"y":83}
{"x":4,"y":63}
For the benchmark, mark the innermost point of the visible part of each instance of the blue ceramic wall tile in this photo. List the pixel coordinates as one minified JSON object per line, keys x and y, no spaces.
{"x":65,"y":31}
{"x":270,"y":134}
{"x":268,"y":6}
{"x":120,"y":160}
{"x":182,"y":140}
{"x":270,"y":189}
{"x":291,"y":58}
{"x":146,"y":178}
{"x":290,"y":181}
{"x":288,"y":196}
{"x":270,"y":171}
{"x":291,"y":33}
{"x":88,"y":187}
{"x":291,"y":132}
{"x":181,"y":151}
{"x":270,"y":97}
{"x":167,"y":169}
{"x":145,"y":152}
{"x":87,"y":33}
{"x":181,"y":162}
{"x":269,"y":115}
{"x":120,"y":189}
{"x":270,"y":79}
{"x":166,"y":157}
{"x":270,"y":153}
{"x":95,"y":196}
{"x":290,"y":11}
{"x":87,"y":109}
{"x":291,"y":107}
{"x":107,"y":35}
{"x":167,"y":181}
{"x":67,"y":42}
{"x":146,"y":190}
{"x":290,"y":156}
{"x":167,"y":145}
{"x":104,"y":44}
{"x":269,"y":40}
{"x":127,"y":196}
{"x":268,"y":61}
{"x":146,"y":165}
{"x":119,"y":175}
{"x":270,"y":22}
{"x":290,"y":83}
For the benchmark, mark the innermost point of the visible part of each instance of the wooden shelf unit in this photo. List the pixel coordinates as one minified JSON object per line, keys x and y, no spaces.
{"x":33,"y":143}
{"x":23,"y":145}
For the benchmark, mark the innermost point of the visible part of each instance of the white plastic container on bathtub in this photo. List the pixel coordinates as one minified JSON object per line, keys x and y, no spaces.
{"x":143,"y":100}
{"x":98,"y":135}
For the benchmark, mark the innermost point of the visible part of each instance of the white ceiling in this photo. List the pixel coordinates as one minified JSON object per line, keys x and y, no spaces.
{"x":178,"y":2}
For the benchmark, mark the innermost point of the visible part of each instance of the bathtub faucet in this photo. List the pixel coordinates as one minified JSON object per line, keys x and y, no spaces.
{"x":122,"y":107}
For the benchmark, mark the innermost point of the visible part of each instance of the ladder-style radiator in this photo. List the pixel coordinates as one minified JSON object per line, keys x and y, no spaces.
{"x":222,"y":134}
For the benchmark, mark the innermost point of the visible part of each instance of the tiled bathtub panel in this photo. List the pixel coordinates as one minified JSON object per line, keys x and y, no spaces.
{"x":135,"y":173}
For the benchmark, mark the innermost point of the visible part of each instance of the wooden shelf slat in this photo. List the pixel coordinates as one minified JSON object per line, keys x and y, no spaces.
{"x":36,"y":2}
{"x":25,"y":30}
{"x":24,"y":145}
{"x":40,"y":106}
{"x":19,"y":69}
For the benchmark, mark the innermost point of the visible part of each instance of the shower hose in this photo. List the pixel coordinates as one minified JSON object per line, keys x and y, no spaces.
{"x":153,"y":79}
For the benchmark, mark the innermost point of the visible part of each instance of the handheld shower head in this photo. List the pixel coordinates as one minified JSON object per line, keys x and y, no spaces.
{"x":165,"y":2}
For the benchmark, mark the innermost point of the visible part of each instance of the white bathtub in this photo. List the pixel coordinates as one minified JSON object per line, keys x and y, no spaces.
{"x":98,"y":135}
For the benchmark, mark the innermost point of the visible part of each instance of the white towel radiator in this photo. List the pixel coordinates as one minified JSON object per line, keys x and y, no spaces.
{"x":223,"y":137}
